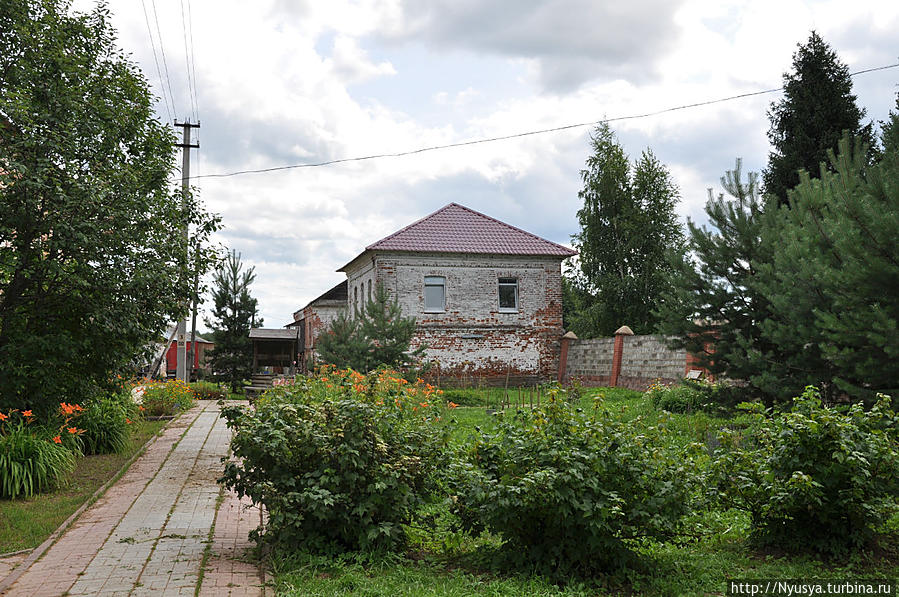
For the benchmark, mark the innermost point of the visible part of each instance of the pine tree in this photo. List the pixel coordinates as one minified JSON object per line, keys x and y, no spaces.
{"x":713,"y":307}
{"x":388,"y":332}
{"x":817,"y":108}
{"x":234,"y":312}
{"x":628,"y":229}
{"x":832,"y":280}
{"x":342,"y":344}
{"x":378,"y":334}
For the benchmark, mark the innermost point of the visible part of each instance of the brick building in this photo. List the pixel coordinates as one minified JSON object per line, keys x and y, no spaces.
{"x":487,"y":296}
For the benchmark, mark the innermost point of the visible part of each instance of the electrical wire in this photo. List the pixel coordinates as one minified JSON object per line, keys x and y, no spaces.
{"x":518,"y":135}
{"x":193,"y":60}
{"x":191,"y":86}
{"x":162,"y":51}
{"x":165,"y":98}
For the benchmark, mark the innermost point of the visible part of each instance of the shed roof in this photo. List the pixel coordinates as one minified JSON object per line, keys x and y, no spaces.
{"x":273,"y":334}
{"x":455,"y":228}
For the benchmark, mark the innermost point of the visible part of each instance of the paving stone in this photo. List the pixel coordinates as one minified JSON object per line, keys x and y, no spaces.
{"x":147,"y":535}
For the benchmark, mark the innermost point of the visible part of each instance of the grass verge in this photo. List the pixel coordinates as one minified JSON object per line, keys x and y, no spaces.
{"x":24,"y":524}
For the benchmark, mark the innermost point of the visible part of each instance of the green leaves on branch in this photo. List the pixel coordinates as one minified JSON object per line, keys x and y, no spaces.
{"x":333,"y":476}
{"x":814,"y":478}
{"x":571,"y":492}
{"x":92,"y":258}
{"x":628,"y":229}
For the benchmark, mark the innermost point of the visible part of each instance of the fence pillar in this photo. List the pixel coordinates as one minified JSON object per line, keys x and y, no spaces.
{"x":620,"y":333}
{"x":563,"y":355}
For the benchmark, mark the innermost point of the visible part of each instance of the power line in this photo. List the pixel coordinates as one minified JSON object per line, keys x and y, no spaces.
{"x":518,"y":135}
{"x":193,"y":60}
{"x":191,"y":86}
{"x":164,"y":63}
{"x":156,"y":60}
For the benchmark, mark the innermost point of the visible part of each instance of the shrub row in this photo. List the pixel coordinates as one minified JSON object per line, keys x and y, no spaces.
{"x":342,"y":461}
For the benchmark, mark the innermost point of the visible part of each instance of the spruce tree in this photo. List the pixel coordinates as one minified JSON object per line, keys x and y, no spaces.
{"x":817,"y":108}
{"x":832,"y":280}
{"x":628,"y":229}
{"x":713,"y":308}
{"x":234,"y":312}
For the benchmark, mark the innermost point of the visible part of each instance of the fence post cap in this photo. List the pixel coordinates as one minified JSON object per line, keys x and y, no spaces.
{"x":624,"y":331}
{"x":570,"y":335}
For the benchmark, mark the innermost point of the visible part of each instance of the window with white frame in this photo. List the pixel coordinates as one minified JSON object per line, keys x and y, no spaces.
{"x":435,"y":294}
{"x":508,"y":295}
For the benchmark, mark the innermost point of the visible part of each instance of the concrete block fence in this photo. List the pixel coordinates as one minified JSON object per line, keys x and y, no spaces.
{"x":626,"y":360}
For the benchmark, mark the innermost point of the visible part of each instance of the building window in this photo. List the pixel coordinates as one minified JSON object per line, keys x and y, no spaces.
{"x":435,"y":294}
{"x":369,"y":290}
{"x":356,"y":299}
{"x":508,"y":295}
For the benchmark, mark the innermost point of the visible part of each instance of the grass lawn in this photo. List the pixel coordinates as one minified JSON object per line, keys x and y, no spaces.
{"x":441,"y":561}
{"x":25,"y":524}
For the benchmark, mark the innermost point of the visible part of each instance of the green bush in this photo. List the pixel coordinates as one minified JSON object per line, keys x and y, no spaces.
{"x":333,"y":475}
{"x":677,"y":398}
{"x":32,"y":459}
{"x":166,"y":398}
{"x":570,"y":491}
{"x":693,"y":395}
{"x":206,"y":390}
{"x":472,"y":397}
{"x":106,"y":421}
{"x":815,"y":478}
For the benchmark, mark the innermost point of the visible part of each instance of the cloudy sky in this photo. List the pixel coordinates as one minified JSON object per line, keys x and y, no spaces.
{"x":282,"y":82}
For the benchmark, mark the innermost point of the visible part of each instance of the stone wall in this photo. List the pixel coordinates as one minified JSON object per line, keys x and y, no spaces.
{"x":643,"y":360}
{"x":591,"y":361}
{"x":647,"y":358}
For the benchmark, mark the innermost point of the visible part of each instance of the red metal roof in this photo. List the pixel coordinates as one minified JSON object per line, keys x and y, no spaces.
{"x":458,"y":229}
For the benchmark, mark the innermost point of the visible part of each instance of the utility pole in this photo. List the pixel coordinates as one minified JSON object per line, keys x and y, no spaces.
{"x":182,"y":369}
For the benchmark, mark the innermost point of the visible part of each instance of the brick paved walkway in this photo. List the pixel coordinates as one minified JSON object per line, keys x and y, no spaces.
{"x":148,"y":533}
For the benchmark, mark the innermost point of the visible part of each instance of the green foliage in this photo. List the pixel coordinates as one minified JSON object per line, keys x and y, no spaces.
{"x":166,"y":398}
{"x":92,"y":258}
{"x":678,"y":398}
{"x":628,"y":232}
{"x":379,"y":335}
{"x":206,"y":390}
{"x":106,"y":421}
{"x":335,"y":475}
{"x":690,"y":396}
{"x":813,"y":479}
{"x":234,"y":312}
{"x":889,"y":135}
{"x":342,"y":344}
{"x":714,"y":308}
{"x":818,"y":107}
{"x":30,"y":460}
{"x":832,"y":280}
{"x":571,"y":492}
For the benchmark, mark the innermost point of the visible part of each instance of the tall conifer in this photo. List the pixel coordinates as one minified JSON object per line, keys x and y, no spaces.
{"x":817,"y":108}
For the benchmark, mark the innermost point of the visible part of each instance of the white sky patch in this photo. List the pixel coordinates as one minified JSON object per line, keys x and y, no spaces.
{"x":283,"y":82}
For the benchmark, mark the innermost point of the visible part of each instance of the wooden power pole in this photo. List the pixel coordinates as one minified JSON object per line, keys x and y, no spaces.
{"x":182,"y":370}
